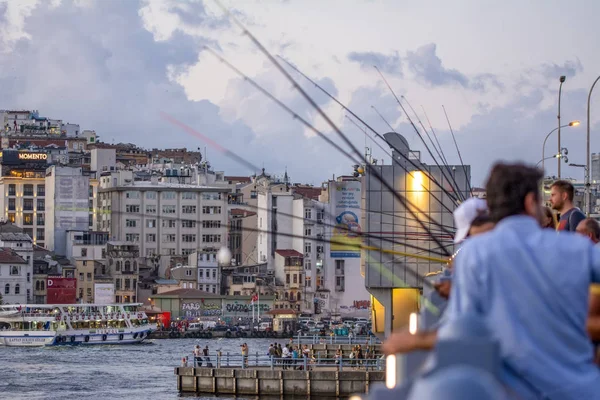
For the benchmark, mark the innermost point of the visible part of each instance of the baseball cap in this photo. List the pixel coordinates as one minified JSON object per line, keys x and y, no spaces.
{"x":464,"y":216}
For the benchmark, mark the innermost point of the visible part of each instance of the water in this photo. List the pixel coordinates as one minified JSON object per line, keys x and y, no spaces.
{"x":143,"y":371}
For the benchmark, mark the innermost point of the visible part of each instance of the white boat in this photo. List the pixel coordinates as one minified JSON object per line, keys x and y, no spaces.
{"x":36,"y":325}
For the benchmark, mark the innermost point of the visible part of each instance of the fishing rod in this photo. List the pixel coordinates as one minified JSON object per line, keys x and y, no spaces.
{"x":230,"y":153}
{"x":435,"y":136}
{"x":295,"y":115}
{"x":412,"y":123}
{"x":457,"y":149}
{"x":386,"y":152}
{"x":411,"y":162}
{"x":443,"y":255}
{"x":270,"y":57}
{"x":453,"y":180}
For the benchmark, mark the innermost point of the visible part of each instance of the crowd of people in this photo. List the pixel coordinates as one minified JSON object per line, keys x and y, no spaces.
{"x":531,"y":278}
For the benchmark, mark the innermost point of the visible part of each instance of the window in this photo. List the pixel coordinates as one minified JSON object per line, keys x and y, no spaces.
{"x":211,"y":196}
{"x":150,"y":223}
{"x":211,"y":224}
{"x":307,"y":281}
{"x":307,"y":247}
{"x":41,"y":205}
{"x":12,"y":190}
{"x":27,"y":190}
{"x":91,"y":219}
{"x":214,"y":274}
{"x":28,"y":277}
{"x":14,"y":270}
{"x":253,"y":194}
{"x":132,"y":208}
{"x":307,"y":264}
{"x":12,"y":204}
{"x":211,"y":238}
{"x":81,"y":276}
{"x":188,"y":223}
{"x":188,"y":209}
{"x":37,"y":285}
{"x":340,"y":283}
{"x":28,"y":204}
{"x":169,"y":209}
{"x":308,"y":213}
{"x":188,"y":196}
{"x":42,"y":285}
{"x":132,"y":237}
{"x":150,"y":209}
{"x":214,"y":289}
{"x":91,"y":205}
{"x":151,"y":237}
{"x":188,"y":272}
{"x":40,"y":234}
{"x":169,"y":238}
{"x":295,"y":278}
{"x":90,"y":191}
{"x":84,"y":252}
{"x":201,"y":273}
{"x":131,"y":223}
{"x":89,"y":276}
{"x":150,"y":195}
{"x":118,"y":266}
{"x":169,"y":223}
{"x":89,"y":292}
{"x":17,"y":289}
{"x":287,"y":278}
{"x":188,"y":238}
{"x":132,"y":194}
{"x":339,"y":267}
{"x":27,"y":219}
{"x":320,"y":215}
{"x":168,"y":195}
{"x":211,"y":210}
{"x":307,"y":232}
{"x":41,"y":190}
{"x":7,"y":288}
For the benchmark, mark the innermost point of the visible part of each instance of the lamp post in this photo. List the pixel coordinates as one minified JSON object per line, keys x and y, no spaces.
{"x":559,"y":156}
{"x":586,"y":171}
{"x":572,"y":123}
{"x":588,"y":192}
{"x":562,"y":80}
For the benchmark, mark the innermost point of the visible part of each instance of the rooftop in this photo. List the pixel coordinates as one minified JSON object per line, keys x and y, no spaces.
{"x":14,"y":237}
{"x":9,"y":256}
{"x":289,"y":253}
{"x":188,"y":293}
{"x":166,"y":282}
{"x":165,"y":185}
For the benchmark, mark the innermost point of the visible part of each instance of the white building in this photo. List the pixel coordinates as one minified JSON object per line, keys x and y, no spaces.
{"x":13,"y":277}
{"x":67,"y":205}
{"x":162,"y":218}
{"x":209,"y":270}
{"x":22,"y":244}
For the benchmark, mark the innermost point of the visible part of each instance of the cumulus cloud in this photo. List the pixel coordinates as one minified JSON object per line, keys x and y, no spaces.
{"x":428,"y":67}
{"x":390,"y":64}
{"x":569,"y":68}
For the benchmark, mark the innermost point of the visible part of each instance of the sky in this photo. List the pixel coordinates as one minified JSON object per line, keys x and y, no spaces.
{"x":117,"y":67}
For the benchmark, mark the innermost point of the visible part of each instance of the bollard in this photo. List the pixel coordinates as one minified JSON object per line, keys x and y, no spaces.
{"x":305,"y":363}
{"x":227,"y":359}
{"x":218,"y":359}
{"x":256,"y":363}
{"x":272,"y":366}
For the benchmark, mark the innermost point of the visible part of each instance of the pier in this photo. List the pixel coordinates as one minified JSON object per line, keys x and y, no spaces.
{"x":265,"y":375}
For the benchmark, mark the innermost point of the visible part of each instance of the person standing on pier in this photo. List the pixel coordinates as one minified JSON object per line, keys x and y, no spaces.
{"x":197,"y":356}
{"x":561,"y":197}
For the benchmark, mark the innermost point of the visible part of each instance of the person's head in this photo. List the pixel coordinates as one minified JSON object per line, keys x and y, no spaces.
{"x":465,"y":214}
{"x":481,"y":224}
{"x":589,"y":227}
{"x":513,"y":189}
{"x":561,"y":195}
{"x":548,"y":220}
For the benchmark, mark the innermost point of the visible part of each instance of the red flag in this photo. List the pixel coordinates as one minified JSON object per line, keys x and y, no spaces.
{"x":254,"y":298}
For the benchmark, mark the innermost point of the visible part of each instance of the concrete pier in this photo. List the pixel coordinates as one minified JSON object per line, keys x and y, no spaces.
{"x":321,"y":381}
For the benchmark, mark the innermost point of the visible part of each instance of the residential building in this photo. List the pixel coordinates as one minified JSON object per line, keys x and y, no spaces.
{"x":13,"y":277}
{"x":163,"y":218}
{"x":42,"y":268}
{"x":186,"y":276}
{"x":289,"y":270}
{"x":85,"y":249}
{"x":123,"y":259}
{"x":209,"y":270}
{"x":22,"y":244}
{"x":67,"y":205}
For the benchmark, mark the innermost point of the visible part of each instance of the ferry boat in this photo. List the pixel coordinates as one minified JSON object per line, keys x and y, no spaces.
{"x":37,"y":325}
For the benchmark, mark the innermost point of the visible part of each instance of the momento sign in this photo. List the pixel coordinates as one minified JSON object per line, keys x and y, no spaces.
{"x":346,"y":237}
{"x":61,"y":290}
{"x":15,"y":157}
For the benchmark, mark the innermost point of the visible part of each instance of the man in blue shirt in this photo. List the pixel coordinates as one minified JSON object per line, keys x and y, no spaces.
{"x":531,"y":287}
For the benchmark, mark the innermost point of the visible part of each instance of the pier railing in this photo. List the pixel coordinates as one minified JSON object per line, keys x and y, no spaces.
{"x":254,"y":361}
{"x":337,"y":339}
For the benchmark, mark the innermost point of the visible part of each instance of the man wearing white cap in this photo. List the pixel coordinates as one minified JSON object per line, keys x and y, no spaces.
{"x":470,"y":219}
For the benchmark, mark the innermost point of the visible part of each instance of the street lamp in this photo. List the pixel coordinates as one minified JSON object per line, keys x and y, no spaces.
{"x":572,"y":123}
{"x":588,"y":192}
{"x":562,"y":80}
{"x":585,"y":169}
{"x":559,"y":156}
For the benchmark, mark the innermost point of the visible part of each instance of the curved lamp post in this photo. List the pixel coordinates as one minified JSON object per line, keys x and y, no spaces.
{"x":562,"y":80}
{"x":559,"y":156}
{"x":572,"y":123}
{"x":588,"y":192}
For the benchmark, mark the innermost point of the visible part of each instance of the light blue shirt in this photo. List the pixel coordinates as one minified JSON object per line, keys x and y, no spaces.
{"x":531,"y":287}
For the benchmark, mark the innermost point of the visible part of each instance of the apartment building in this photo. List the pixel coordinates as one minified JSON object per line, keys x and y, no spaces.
{"x":22,"y":245}
{"x":163,"y":218}
{"x":13,"y":277}
{"x":123,"y":260}
{"x":85,"y":249}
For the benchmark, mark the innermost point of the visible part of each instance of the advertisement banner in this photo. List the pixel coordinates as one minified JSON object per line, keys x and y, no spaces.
{"x":61,"y":290}
{"x":346,"y":237}
{"x":104,"y":293}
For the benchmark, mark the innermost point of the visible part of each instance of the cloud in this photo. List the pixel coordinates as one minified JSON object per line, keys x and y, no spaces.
{"x":569,"y":68}
{"x":387,"y":64}
{"x":427,"y":67}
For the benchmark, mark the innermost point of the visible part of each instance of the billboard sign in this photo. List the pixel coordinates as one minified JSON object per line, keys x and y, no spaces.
{"x":346,"y":237}
{"x":104,"y":293}
{"x":15,"y":157}
{"x":61,"y":290}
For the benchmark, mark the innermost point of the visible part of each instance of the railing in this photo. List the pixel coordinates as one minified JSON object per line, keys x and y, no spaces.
{"x":271,"y":362}
{"x":337,"y":339}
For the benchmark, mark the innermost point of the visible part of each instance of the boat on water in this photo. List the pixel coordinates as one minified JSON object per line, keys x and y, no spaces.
{"x":38,"y":325}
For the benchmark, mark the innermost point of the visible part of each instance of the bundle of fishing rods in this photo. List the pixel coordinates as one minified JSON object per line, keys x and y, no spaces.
{"x":434,"y":231}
